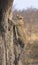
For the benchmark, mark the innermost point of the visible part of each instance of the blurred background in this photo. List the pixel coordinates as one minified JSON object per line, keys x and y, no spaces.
{"x":25,"y":4}
{"x":29,"y":10}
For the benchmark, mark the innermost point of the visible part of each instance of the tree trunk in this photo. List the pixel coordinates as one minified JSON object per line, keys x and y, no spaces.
{"x":6,"y":34}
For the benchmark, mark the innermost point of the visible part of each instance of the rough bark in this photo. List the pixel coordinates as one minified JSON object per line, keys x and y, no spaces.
{"x":13,"y":43}
{"x":6,"y":34}
{"x":12,"y":36}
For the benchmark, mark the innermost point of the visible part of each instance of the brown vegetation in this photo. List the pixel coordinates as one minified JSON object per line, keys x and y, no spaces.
{"x":30,"y":22}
